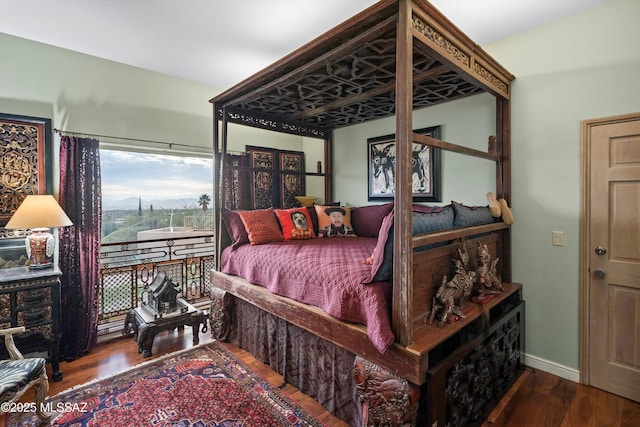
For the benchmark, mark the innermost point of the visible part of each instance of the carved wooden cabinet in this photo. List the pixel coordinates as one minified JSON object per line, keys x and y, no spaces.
{"x":471,"y":370}
{"x":31,"y":298}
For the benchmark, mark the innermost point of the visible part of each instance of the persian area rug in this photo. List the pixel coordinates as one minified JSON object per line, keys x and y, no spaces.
{"x":202,"y":386}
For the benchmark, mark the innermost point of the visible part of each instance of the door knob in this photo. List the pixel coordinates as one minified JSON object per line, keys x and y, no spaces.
{"x":600,"y":250}
{"x":599,"y":273}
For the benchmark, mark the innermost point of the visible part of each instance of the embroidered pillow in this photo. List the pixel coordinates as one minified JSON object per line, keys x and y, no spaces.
{"x":235,"y":227}
{"x":367,"y":220}
{"x":295,"y":223}
{"x":262,"y":226}
{"x":334,"y":221}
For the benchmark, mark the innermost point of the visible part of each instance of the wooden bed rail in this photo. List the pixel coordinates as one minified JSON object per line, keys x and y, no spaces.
{"x":437,"y":143}
{"x":411,"y":362}
{"x":443,"y":236}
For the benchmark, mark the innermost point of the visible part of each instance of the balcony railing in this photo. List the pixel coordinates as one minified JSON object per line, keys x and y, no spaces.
{"x":127,"y":268}
{"x":199,"y":222}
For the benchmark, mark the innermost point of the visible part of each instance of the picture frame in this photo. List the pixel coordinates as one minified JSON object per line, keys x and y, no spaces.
{"x":26,"y":160}
{"x":427,"y":168}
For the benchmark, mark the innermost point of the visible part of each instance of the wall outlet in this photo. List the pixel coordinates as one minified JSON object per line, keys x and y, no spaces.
{"x":557,"y":238}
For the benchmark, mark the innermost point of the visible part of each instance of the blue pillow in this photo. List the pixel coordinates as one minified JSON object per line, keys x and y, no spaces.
{"x":422,"y":223}
{"x":434,"y":221}
{"x":467,"y":216}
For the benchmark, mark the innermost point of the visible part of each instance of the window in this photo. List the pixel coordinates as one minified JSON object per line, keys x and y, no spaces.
{"x":142,"y":191}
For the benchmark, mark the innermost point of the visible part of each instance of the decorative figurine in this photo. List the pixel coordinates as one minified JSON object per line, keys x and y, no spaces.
{"x":487,"y":278}
{"x":449,"y":297}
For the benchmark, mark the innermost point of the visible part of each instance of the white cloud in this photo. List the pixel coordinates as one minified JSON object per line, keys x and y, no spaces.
{"x":154,"y":177}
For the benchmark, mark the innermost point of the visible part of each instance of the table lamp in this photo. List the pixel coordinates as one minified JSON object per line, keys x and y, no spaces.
{"x":39,"y":213}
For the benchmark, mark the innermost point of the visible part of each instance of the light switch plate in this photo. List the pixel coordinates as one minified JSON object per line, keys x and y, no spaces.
{"x":558,"y":238}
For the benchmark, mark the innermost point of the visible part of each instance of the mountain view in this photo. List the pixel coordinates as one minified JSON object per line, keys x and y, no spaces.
{"x":142,"y":191}
{"x":132,"y":203}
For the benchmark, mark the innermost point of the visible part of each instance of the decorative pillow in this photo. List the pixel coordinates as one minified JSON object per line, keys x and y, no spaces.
{"x":235,"y":227}
{"x":314,"y":214}
{"x":422,"y":208}
{"x":367,"y":220}
{"x":382,"y":257}
{"x":380,"y":252}
{"x":334,"y":221}
{"x":467,"y":216}
{"x":295,"y":223}
{"x":262,"y":226}
{"x":436,"y":220}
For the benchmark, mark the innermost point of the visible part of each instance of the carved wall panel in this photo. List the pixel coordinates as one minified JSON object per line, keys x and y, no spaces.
{"x":277,"y":176}
{"x":25,"y":161}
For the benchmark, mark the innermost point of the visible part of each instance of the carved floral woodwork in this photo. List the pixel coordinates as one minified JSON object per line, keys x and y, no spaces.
{"x":25,"y":161}
{"x":277,"y":176}
{"x":220,"y":313}
{"x":387,"y":399}
{"x":466,"y":60}
{"x":483,"y":375}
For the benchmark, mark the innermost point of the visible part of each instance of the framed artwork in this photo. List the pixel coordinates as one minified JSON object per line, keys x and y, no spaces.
{"x":277,"y":176}
{"x":426,"y":168}
{"x":25,"y":161}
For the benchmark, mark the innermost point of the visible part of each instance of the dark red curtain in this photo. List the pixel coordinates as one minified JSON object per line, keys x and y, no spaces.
{"x":81,"y":199}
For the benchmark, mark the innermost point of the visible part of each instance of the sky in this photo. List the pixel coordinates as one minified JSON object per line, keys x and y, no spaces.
{"x":153,"y":177}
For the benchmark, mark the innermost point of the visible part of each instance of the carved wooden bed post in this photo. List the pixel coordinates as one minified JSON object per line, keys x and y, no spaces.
{"x":387,"y":399}
{"x":220,"y":313}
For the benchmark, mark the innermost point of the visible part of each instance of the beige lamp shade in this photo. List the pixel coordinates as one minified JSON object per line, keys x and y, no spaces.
{"x":39,"y":211}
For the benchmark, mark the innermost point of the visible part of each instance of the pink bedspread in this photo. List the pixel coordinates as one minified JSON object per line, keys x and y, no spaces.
{"x":326,"y":273}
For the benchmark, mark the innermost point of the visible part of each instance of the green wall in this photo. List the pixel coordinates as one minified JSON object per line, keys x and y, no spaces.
{"x":464,"y":179}
{"x":582,"y":67}
{"x":82,"y":93}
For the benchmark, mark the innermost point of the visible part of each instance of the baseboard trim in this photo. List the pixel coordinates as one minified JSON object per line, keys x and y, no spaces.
{"x":552,"y":368}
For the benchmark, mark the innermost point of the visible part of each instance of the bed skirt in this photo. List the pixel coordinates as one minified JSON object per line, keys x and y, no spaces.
{"x":315,"y":366}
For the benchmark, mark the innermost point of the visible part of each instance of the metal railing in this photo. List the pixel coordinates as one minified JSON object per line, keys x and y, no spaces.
{"x":127,"y":268}
{"x":199,"y":222}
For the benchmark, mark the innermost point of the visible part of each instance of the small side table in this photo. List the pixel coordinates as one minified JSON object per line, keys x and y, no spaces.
{"x":145,"y":326}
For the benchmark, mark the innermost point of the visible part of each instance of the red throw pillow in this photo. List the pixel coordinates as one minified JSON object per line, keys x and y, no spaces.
{"x":295,"y":223}
{"x":334,"y":221}
{"x":367,"y":219}
{"x":262,"y":226}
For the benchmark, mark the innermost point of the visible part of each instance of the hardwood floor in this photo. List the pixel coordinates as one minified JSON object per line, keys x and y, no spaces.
{"x":537,"y":399}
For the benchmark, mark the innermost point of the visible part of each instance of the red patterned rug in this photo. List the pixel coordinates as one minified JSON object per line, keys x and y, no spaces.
{"x":202,"y":386}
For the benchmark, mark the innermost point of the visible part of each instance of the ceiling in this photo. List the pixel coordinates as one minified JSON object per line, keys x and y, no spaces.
{"x":221,"y":42}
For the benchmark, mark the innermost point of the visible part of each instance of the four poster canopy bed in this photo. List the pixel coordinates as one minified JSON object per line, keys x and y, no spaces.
{"x":349,"y":316}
